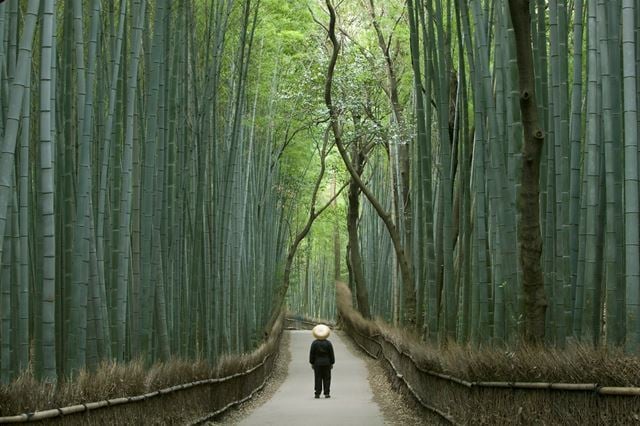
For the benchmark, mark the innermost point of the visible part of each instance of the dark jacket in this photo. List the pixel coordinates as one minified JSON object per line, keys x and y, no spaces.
{"x":321,"y":353}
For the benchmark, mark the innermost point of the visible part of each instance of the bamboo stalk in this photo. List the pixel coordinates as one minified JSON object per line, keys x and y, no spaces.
{"x":619,"y":391}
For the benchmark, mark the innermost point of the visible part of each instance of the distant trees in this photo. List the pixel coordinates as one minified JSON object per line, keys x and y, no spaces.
{"x":315,"y":210}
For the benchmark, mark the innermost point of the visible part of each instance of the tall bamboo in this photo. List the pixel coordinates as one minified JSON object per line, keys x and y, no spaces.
{"x":631,"y":208}
{"x":12,"y":122}
{"x":47,"y":192}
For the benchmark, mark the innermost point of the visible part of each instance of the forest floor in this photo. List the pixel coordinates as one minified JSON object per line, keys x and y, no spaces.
{"x":360,"y":391}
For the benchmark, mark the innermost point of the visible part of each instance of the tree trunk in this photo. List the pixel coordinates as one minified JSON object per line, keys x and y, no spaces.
{"x":355,"y":259}
{"x":281,"y":292}
{"x":402,"y":257}
{"x":337,"y":257}
{"x":529,"y":238}
{"x":399,"y":157}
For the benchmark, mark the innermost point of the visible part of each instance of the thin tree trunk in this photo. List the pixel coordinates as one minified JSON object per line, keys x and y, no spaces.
{"x":403,"y":260}
{"x":355,"y":259}
{"x":313,"y":215}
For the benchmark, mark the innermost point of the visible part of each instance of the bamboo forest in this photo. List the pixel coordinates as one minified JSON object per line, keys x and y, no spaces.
{"x":176,"y":177}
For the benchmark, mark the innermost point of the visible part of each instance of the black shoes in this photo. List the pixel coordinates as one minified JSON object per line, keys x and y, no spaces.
{"x":327,"y":396}
{"x":317,"y":396}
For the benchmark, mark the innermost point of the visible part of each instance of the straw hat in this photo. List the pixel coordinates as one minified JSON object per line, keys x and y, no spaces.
{"x":321,"y":331}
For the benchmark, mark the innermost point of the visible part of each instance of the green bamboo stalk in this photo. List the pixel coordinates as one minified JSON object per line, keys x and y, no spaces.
{"x":6,"y":326}
{"x":464,"y":167}
{"x":421,"y":175}
{"x":607,"y":31}
{"x":124,"y":244}
{"x":112,"y":231}
{"x":575,"y":138}
{"x":22,"y":280}
{"x":616,"y":337}
{"x":106,"y":155}
{"x":162,"y":332}
{"x":560,"y":113}
{"x":148,"y":283}
{"x":4,"y":83}
{"x":14,"y":52}
{"x":631,"y":208}
{"x":76,"y":356}
{"x":12,"y":123}
{"x":67,"y":166}
{"x":590,"y":303}
{"x":47,"y":193}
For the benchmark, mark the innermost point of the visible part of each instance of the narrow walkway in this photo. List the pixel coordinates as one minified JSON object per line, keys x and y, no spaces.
{"x":351,"y":401}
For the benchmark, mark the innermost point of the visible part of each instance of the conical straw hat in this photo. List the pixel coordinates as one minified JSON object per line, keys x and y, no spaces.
{"x":321,"y":331}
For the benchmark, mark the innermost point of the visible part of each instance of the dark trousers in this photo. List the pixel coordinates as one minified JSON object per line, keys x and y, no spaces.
{"x":323,"y":379}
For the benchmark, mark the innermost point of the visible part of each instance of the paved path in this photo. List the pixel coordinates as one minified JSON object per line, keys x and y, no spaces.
{"x":351,"y":401}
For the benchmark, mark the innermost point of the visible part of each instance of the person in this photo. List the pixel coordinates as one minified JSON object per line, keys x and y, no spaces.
{"x":322,"y":359}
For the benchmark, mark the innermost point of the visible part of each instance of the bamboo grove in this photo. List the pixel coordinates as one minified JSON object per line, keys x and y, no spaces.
{"x":138,"y":216}
{"x":442,"y":160}
{"x":172,"y":172}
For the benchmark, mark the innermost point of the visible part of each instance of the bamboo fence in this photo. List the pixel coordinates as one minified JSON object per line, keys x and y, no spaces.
{"x":524,"y":402}
{"x":266,"y":364}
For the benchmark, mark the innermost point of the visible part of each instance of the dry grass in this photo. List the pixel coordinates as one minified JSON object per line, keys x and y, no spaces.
{"x":353,"y":317}
{"x":110,"y":380}
{"x":398,"y":406}
{"x":575,"y":364}
{"x":113,"y":380}
{"x":502,"y":405}
{"x":279,"y":374}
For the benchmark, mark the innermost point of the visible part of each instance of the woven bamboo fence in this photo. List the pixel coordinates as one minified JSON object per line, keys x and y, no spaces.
{"x":187,"y":403}
{"x":299,"y":323}
{"x":453,"y":400}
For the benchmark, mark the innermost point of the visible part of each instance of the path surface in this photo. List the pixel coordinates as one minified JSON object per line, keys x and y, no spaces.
{"x":351,"y":401}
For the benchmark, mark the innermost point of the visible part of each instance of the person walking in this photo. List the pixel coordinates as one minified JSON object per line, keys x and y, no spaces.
{"x":322,"y":359}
